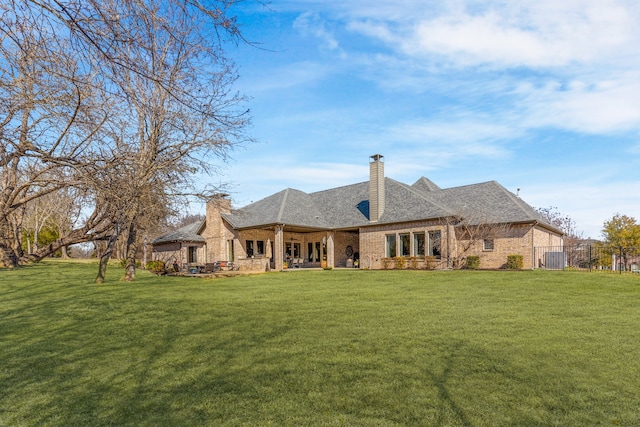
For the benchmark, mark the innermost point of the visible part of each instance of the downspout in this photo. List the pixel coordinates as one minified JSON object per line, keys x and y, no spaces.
{"x":533,"y":246}
{"x":449,"y":246}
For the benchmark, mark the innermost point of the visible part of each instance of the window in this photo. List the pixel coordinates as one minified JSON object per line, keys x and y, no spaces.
{"x":296,"y":250}
{"x":418,"y":244}
{"x":391,"y":245}
{"x":249,"y":248}
{"x":313,"y":251}
{"x":293,"y":249}
{"x":260,"y":247}
{"x":192,"y":254}
{"x":435,"y":244}
{"x":404,"y":245}
{"x":488,"y":245}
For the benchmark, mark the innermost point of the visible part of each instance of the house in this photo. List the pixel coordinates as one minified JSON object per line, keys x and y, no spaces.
{"x":183,"y":246}
{"x":366,"y":225}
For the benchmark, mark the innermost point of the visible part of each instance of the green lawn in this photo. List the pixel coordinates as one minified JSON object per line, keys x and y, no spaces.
{"x":319,"y":348}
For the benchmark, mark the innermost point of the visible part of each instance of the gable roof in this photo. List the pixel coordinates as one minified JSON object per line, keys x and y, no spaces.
{"x":424,"y":184}
{"x":188,"y":233}
{"x":348,"y":206}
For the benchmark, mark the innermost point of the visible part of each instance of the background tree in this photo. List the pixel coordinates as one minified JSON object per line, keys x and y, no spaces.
{"x":622,"y":236}
{"x":54,"y":214}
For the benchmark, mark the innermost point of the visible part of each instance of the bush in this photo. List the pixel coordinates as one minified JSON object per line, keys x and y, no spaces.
{"x":156,"y":267}
{"x":473,"y":262}
{"x":430,"y":262}
{"x":515,"y":262}
{"x":413,"y":262}
{"x":386,"y":263}
{"x":400,"y":262}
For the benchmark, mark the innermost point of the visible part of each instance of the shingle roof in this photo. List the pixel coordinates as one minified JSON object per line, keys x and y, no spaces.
{"x":487,"y":202}
{"x":348,"y":206}
{"x":289,"y":206}
{"x":188,"y":233}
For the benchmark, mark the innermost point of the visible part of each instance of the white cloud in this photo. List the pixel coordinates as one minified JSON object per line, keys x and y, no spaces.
{"x":611,"y":105}
{"x":278,"y":79}
{"x":533,"y":33}
{"x":310,"y":23}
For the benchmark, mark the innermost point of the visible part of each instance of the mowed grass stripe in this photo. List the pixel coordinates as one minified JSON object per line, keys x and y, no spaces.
{"x":342,"y":347}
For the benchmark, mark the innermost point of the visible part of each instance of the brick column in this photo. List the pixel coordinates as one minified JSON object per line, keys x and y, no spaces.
{"x":278,"y":256}
{"x":331,"y":250}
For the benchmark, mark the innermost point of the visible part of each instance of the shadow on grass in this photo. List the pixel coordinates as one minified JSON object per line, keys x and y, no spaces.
{"x":112,"y":358}
{"x":181,"y":352}
{"x":440,"y":382}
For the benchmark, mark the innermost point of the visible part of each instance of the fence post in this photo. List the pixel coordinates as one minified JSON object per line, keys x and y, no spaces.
{"x":620,"y":262}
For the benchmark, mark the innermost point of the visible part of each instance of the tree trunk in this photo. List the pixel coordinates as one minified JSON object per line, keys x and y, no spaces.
{"x":130,"y":263}
{"x":104,"y":259}
{"x":8,"y":255}
{"x":91,"y":231}
{"x":8,"y":258}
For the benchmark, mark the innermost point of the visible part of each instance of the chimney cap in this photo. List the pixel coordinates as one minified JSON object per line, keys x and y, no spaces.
{"x":377,"y":157}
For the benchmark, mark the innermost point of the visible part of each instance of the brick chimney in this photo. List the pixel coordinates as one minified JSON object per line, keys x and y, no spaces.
{"x":216,"y":233}
{"x":219,"y":202}
{"x":376,"y":187}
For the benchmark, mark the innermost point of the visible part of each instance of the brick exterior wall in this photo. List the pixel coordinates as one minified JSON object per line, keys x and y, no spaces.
{"x":266,"y":236}
{"x":515,"y":240}
{"x":373,"y":241}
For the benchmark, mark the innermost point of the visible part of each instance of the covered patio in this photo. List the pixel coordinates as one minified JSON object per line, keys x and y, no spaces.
{"x":288,"y":247}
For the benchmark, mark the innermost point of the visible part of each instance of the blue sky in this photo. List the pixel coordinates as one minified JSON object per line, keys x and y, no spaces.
{"x":539,"y":95}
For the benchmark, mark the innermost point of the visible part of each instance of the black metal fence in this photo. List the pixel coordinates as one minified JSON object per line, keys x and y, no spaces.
{"x":588,"y":257}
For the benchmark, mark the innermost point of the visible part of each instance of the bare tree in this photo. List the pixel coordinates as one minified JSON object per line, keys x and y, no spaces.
{"x":565,"y":223}
{"x":474,"y":233}
{"x":126,"y":100}
{"x":176,"y":119}
{"x":49,"y":116}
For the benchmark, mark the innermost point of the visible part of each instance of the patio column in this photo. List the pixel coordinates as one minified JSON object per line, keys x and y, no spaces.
{"x":331,"y":250}
{"x":278,"y":256}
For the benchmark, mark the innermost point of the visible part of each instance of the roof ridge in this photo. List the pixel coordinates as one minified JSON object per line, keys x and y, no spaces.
{"x":422,"y":195}
{"x":282,"y":205}
{"x":431,"y":186}
{"x":518,"y":201}
{"x":472,"y":185}
{"x":337,"y":188}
